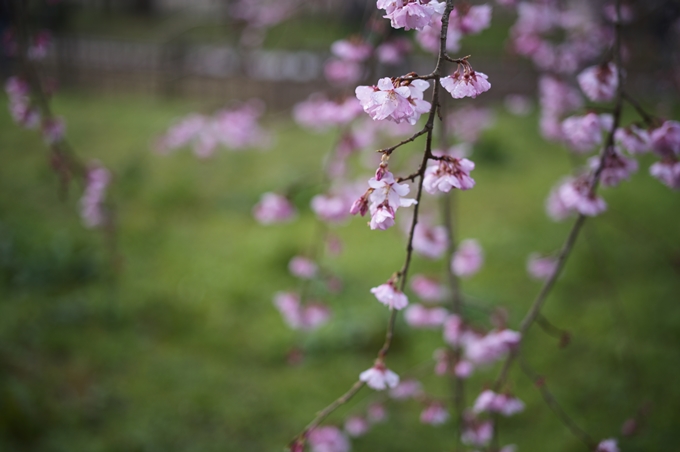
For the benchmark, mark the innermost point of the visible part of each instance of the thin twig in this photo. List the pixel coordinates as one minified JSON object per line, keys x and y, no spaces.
{"x":649,"y":119}
{"x":551,"y":401}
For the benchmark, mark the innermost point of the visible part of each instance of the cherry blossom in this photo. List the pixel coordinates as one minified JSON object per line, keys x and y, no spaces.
{"x":379,"y":377}
{"x":430,"y":36}
{"x":447,"y":173}
{"x":430,"y":241}
{"x":299,"y":317}
{"x":318,"y":113}
{"x":302,"y":267}
{"x":273,"y":208}
{"x":390,"y":296}
{"x":92,"y":202}
{"x":599,"y":83}
{"x":395,"y":100}
{"x":376,"y":412}
{"x":418,"y":316}
{"x":351,"y":49}
{"x":393,"y":51}
{"x":328,"y":439}
{"x":341,"y":72}
{"x":666,"y":139}
{"x":331,"y":208}
{"x":386,"y":196}
{"x":53,"y":130}
{"x":406,"y":389}
{"x":413,"y":14}
{"x":356,"y":426}
{"x":582,"y":133}
{"x":428,"y":289}
{"x":574,"y":195}
{"x":453,"y":329}
{"x":489,"y":401}
{"x":467,"y":123}
{"x":466,"y":84}
{"x":616,"y":167}
{"x":475,"y":432}
{"x":667,"y":172}
{"x":491,"y":347}
{"x":608,"y":445}
{"x":463,"y":369}
{"x":473,"y":19}
{"x":434,"y":414}
{"x":540,"y":267}
{"x":467,"y":259}
{"x":634,"y":139}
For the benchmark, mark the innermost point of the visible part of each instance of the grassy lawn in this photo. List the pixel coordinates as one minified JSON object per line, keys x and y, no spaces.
{"x":183,"y":350}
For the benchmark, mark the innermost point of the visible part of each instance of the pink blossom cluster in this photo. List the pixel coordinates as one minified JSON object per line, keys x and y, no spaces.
{"x":468,"y":258}
{"x":411,"y":14}
{"x":665,"y":142}
{"x":38,"y":44}
{"x":464,"y":20}
{"x":427,"y":289}
{"x":419,"y":316}
{"x":385,"y":196}
{"x":435,"y":413}
{"x":20,"y":105}
{"x":393,"y":51}
{"x":273,"y":208}
{"x":583,"y":133}
{"x":92,"y":202}
{"x":430,"y":241}
{"x":465,"y":83}
{"x":574,"y":195}
{"x":467,"y":123}
{"x":479,"y":348}
{"x":447,"y":173}
{"x":298,"y":316}
{"x":616,"y":167}
{"x":540,"y":267}
{"x":303,"y":267}
{"x":328,"y":439}
{"x":394,"y":99}
{"x":235,"y":128}
{"x":345,"y":67}
{"x":476,"y":432}
{"x":599,"y":83}
{"x":490,"y":402}
{"x":319,"y":113}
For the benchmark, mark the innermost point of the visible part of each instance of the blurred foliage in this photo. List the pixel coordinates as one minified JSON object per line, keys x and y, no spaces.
{"x":183,"y":351}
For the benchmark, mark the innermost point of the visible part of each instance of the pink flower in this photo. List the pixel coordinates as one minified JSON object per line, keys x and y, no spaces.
{"x":467,"y":123}
{"x":518,"y":104}
{"x":53,"y":130}
{"x":273,"y":208}
{"x":418,"y":316}
{"x":463,"y":369}
{"x":406,"y":389}
{"x":448,"y":173}
{"x":386,"y":196}
{"x":666,"y":139}
{"x":379,"y":377}
{"x":634,"y":139}
{"x":476,"y":433}
{"x":434,"y":414}
{"x":582,"y":133}
{"x":396,"y":101}
{"x":302,"y":267}
{"x":616,"y":167}
{"x":300,"y":317}
{"x":556,"y":97}
{"x":319,"y":113}
{"x":599,"y":83}
{"x":453,"y":329}
{"x":92,"y":202}
{"x":429,"y":37}
{"x":393,"y":51}
{"x":608,"y":445}
{"x":428,"y":289}
{"x":491,"y":347}
{"x":351,"y":50}
{"x":390,"y":296}
{"x":540,"y":267}
{"x":328,"y":439}
{"x":474,"y":20}
{"x":574,"y":195}
{"x":467,"y":259}
{"x":341,"y":72}
{"x":333,"y":209}
{"x":467,"y":84}
{"x":491,"y":402}
{"x":356,"y":426}
{"x":430,"y":241}
{"x":667,"y":172}
{"x":414,"y":14}
{"x":376,"y":413}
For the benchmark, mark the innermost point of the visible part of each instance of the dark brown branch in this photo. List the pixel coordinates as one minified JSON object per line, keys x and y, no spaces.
{"x":389,"y":150}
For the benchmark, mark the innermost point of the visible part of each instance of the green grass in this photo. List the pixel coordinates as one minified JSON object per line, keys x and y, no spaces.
{"x":184,"y":351}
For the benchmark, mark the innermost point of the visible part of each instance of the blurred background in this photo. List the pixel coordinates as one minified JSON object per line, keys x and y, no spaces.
{"x":176,"y":346}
